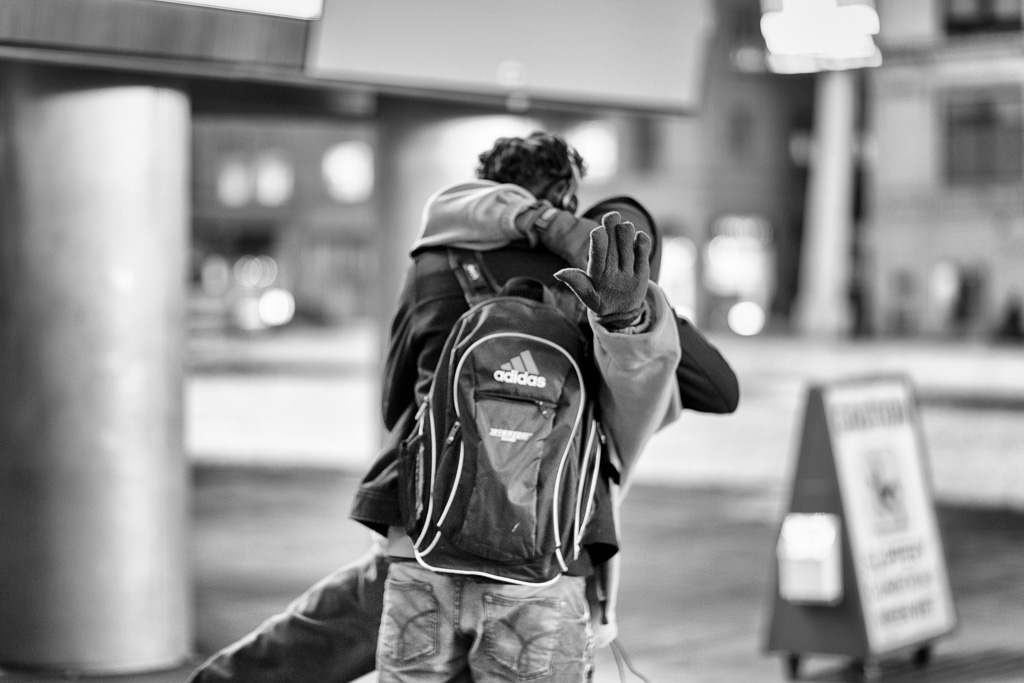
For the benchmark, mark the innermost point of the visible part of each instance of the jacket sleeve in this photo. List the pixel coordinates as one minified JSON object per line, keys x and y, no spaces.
{"x":562,"y":232}
{"x":400,"y":370}
{"x":476,"y":215}
{"x":638,"y":393}
{"x":707,"y":383}
{"x":488,"y":216}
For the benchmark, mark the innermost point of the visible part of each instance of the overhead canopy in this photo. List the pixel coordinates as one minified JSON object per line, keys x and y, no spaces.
{"x":635,"y":55}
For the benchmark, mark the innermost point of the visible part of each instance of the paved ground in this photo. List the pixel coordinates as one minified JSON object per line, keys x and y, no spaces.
{"x":695,"y":594}
{"x":278,"y":429}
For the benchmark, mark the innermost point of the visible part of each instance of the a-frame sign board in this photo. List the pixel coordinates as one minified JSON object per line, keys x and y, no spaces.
{"x":862,"y":459}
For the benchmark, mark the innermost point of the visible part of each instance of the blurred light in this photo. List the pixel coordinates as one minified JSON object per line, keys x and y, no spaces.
{"x":269,"y":271}
{"x":461,"y":141}
{"x":807,"y":533}
{"x":275,"y":179}
{"x":749,"y":59}
{"x":740,"y":259}
{"x":746,"y":318}
{"x":801,"y":147}
{"x":348,"y":171}
{"x":517,"y":102}
{"x":598,"y":143}
{"x":235,"y":183}
{"x":255,"y":272}
{"x":734,"y":265}
{"x":296,"y":9}
{"x":744,"y":226}
{"x":122,"y":279}
{"x":678,"y":277}
{"x":511,"y":74}
{"x":944,"y":281}
{"x":276,"y":307}
{"x":815,"y":35}
{"x":246,"y":312}
{"x":810,"y":561}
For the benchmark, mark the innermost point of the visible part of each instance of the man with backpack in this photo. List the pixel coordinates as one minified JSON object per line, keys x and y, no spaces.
{"x":524,"y":222}
{"x":453,"y":617}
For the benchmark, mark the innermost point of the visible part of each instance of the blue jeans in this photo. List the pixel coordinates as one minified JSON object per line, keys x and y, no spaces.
{"x":441,"y":628}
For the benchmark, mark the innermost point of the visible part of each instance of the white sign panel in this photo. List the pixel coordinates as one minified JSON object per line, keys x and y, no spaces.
{"x":890,"y":517}
{"x":636,"y":54}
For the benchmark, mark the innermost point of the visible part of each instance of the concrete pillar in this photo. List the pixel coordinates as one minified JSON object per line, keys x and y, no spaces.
{"x":823,"y":305}
{"x":94,"y":213}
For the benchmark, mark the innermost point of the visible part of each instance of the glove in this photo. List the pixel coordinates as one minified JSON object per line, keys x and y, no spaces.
{"x":615,"y":284}
{"x":560,"y":231}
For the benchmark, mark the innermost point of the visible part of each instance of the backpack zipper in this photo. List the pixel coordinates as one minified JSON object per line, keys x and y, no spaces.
{"x":546,"y":407}
{"x":452,"y":433}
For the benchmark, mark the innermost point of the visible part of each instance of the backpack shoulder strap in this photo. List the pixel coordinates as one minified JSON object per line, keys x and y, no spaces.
{"x":475,"y":279}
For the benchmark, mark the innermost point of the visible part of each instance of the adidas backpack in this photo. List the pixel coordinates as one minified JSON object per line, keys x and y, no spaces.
{"x":499,"y":473}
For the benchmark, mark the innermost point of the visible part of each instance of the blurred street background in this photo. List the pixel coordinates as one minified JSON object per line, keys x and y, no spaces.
{"x":308,"y":397}
{"x":205,"y":213}
{"x":279,"y":426}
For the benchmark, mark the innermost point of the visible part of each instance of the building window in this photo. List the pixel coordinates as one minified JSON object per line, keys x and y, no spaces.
{"x":982,"y":16}
{"x":984,"y":138}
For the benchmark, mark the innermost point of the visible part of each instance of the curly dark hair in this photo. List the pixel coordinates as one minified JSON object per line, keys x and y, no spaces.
{"x":531,"y":160}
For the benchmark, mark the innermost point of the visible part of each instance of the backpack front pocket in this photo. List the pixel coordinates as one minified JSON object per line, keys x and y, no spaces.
{"x":506,"y":496}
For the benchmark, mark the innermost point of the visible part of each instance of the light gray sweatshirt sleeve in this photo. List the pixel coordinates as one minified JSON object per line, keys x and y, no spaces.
{"x":474,"y":215}
{"x":485,"y":215}
{"x":637,"y":389}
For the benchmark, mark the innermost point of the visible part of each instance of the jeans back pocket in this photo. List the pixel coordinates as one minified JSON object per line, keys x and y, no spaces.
{"x":410,"y":629}
{"x":522,"y":634}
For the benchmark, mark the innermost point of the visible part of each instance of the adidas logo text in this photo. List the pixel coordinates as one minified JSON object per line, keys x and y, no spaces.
{"x":521,"y":370}
{"x":516,"y":377}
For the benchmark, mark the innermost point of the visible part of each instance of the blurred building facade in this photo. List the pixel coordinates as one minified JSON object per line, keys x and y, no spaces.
{"x":295,"y":194}
{"x":146,"y":146}
{"x":944,"y":239}
{"x":725,"y":182}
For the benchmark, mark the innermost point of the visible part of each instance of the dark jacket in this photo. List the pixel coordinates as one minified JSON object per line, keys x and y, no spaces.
{"x":429,"y":304}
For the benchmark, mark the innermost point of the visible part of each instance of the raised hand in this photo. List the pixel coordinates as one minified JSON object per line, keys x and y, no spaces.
{"x":615,"y":283}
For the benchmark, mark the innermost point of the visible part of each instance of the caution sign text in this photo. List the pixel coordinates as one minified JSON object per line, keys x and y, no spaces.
{"x":890,"y":517}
